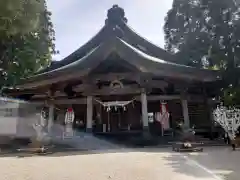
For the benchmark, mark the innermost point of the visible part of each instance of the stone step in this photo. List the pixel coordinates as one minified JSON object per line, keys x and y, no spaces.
{"x":87,"y":142}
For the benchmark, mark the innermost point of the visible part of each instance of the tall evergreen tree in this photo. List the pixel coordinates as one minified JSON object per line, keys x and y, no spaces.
{"x":205,"y":33}
{"x":24,"y":50}
{"x":19,"y":16}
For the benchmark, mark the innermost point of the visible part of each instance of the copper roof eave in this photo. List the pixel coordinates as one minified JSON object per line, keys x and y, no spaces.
{"x":70,"y":71}
{"x":101,"y":36}
{"x":128,"y":34}
{"x":160,"y":67}
{"x":95,"y":41}
{"x":142,"y":61}
{"x":151,"y":47}
{"x":137,"y":58}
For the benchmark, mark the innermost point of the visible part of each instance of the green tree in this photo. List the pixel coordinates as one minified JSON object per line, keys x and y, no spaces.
{"x":24,"y":50}
{"x":19,"y":16}
{"x":205,"y":33}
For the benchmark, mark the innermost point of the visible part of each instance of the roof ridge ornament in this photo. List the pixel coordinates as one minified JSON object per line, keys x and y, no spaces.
{"x":115,"y":15}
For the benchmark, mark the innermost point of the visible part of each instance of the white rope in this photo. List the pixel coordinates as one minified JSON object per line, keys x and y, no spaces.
{"x":114,"y":103}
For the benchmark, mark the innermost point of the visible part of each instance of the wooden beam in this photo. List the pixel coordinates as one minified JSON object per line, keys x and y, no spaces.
{"x":65,"y":101}
{"x":157,"y":84}
{"x":27,"y":91}
{"x":163,"y":97}
{"x":46,"y":95}
{"x":84,"y":100}
{"x":40,"y":96}
{"x":83,"y":87}
{"x":190,"y":98}
{"x":131,"y":89}
{"x":71,"y":101}
{"x":195,"y":98}
{"x":33,"y":82}
{"x":115,"y":76}
{"x":38,"y":102}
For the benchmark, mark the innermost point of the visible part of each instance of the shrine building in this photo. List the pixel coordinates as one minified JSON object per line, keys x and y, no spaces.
{"x":118,"y":81}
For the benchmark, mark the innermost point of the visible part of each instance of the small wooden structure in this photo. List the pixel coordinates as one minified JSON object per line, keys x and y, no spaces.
{"x":117,"y":64}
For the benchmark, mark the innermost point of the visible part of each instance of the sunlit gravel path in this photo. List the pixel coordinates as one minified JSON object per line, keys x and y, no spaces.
{"x":125,"y":164}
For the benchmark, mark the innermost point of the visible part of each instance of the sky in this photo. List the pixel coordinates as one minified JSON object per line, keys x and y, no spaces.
{"x":77,"y":21}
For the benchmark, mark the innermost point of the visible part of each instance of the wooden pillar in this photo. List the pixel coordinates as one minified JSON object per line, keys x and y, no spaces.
{"x":210,"y":115}
{"x":185,"y":112}
{"x":51,"y":110}
{"x":89,"y":113}
{"x":144,"y":111}
{"x":50,"y":117}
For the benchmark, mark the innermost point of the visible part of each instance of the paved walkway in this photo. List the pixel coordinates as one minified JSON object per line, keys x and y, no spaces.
{"x":125,"y":164}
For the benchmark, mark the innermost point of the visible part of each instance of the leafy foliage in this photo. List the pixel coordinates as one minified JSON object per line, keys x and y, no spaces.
{"x":26,"y":44}
{"x":205,"y":33}
{"x":19,"y":16}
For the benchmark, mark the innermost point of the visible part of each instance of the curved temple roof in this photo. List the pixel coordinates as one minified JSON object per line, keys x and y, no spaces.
{"x":116,"y":23}
{"x":117,"y":36}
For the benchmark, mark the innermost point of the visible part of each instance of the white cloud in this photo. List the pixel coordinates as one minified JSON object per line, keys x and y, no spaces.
{"x":76,"y":21}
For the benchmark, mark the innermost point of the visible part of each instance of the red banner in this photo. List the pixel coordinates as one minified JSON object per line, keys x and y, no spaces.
{"x":164,"y":116}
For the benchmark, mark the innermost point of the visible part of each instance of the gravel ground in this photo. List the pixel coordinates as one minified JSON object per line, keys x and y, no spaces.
{"x":124,"y":164}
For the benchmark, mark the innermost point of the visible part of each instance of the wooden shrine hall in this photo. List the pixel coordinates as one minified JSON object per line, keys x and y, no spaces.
{"x":117,"y":82}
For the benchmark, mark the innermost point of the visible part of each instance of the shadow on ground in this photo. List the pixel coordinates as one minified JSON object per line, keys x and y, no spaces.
{"x":218,"y":162}
{"x":222,"y":161}
{"x":183,"y":166}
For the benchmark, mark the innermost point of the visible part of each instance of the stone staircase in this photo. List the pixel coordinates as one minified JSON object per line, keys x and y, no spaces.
{"x":86,"y":141}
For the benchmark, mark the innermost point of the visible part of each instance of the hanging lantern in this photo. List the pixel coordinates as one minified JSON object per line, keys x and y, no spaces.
{"x":124,"y":108}
{"x":70,"y":109}
{"x":69,"y":116}
{"x":115,"y":108}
